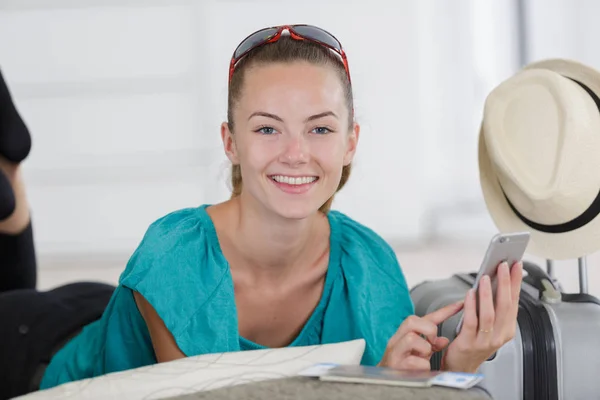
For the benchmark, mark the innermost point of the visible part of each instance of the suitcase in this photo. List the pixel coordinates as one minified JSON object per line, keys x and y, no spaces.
{"x":555,"y":354}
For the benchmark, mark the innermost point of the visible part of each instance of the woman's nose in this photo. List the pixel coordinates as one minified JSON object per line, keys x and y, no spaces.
{"x":295,"y":150}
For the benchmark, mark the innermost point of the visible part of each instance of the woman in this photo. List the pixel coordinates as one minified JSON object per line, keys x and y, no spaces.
{"x":273,"y":266}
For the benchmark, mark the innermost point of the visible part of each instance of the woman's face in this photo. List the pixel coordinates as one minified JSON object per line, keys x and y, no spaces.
{"x":291,"y":136}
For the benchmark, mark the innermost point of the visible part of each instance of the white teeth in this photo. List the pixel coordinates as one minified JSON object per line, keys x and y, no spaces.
{"x":290,"y":180}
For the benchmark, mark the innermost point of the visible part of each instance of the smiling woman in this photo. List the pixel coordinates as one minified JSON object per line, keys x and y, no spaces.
{"x":325,"y":97}
{"x":291,"y":119}
{"x":272,"y":266}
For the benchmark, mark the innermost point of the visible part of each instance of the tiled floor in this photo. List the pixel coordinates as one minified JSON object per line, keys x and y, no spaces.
{"x":434,"y":261}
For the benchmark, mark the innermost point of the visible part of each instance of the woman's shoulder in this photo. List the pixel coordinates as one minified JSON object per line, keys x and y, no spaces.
{"x":175,"y":245}
{"x":179,"y":269}
{"x":365,"y":253}
{"x":360,"y":240}
{"x":169,"y":230}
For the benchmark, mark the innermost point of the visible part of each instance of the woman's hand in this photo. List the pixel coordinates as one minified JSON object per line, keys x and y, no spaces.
{"x":481,"y":337}
{"x":408,"y":349}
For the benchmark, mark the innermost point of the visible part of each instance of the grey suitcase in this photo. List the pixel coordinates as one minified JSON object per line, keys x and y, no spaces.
{"x":555,"y":354}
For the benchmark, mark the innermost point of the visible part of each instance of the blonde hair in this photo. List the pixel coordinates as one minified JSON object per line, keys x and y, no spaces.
{"x":288,"y":50}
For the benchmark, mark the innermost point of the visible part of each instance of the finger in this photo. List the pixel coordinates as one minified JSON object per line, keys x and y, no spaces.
{"x":470,"y":321}
{"x":440,"y":344}
{"x":417,"y":325}
{"x":409,"y":346}
{"x":414,"y":363}
{"x":486,"y":309}
{"x":439,"y":316}
{"x":516,"y":278}
{"x":405,"y":327}
{"x":503,"y":298}
{"x":413,"y":344}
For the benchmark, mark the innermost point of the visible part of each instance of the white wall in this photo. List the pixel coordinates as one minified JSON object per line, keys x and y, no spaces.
{"x":564,"y":28}
{"x":124,"y":100}
{"x":115,"y":101}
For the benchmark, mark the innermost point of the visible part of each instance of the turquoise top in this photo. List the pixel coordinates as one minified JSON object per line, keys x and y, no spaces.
{"x":180,"y":269}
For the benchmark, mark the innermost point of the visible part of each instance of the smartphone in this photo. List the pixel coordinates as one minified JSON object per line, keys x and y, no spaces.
{"x":509,"y":247}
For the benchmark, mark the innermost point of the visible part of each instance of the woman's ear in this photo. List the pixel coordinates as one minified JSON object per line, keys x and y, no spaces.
{"x":229,"y":143}
{"x":352,"y":144}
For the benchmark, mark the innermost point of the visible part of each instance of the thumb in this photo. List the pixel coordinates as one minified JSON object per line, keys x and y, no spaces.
{"x":439,"y":316}
{"x":440,"y":343}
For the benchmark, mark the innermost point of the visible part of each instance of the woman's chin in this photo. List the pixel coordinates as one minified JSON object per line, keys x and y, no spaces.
{"x":296,"y":210}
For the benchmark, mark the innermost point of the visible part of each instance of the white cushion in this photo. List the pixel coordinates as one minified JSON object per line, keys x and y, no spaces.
{"x":205,"y":372}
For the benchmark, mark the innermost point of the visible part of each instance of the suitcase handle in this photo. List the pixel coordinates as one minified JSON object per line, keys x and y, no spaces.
{"x":583,"y":275}
{"x":539,"y":279}
{"x":536,"y":277}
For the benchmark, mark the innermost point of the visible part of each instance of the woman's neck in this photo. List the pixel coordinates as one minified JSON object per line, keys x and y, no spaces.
{"x":271,"y":247}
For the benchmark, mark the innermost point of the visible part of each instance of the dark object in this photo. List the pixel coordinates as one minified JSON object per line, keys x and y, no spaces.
{"x":15,"y":141}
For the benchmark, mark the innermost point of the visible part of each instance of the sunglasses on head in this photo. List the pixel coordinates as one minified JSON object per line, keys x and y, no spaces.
{"x":297,"y":32}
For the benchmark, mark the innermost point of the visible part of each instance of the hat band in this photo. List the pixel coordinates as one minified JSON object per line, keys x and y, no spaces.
{"x":584,"y":218}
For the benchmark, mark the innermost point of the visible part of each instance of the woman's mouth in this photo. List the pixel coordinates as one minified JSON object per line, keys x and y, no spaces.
{"x":294,"y":180}
{"x":294,"y":184}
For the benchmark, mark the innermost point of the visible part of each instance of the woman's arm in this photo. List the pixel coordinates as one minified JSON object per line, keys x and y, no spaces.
{"x":163,"y":342}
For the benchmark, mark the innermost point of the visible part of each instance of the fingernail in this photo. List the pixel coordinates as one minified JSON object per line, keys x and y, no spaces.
{"x":504,"y":265}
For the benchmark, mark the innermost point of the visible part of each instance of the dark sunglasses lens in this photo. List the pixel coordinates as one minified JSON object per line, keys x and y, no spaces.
{"x":254,"y":40}
{"x":318,"y":34}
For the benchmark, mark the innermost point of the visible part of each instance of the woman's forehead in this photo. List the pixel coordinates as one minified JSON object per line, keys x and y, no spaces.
{"x":292,"y":85}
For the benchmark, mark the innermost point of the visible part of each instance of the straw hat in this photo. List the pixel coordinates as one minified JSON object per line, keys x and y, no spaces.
{"x":539,"y":157}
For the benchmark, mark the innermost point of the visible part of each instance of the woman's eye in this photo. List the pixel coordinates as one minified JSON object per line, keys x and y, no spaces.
{"x":266,"y":130}
{"x":321,"y":130}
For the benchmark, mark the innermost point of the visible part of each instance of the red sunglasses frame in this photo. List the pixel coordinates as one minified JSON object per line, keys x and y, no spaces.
{"x":295,"y":35}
